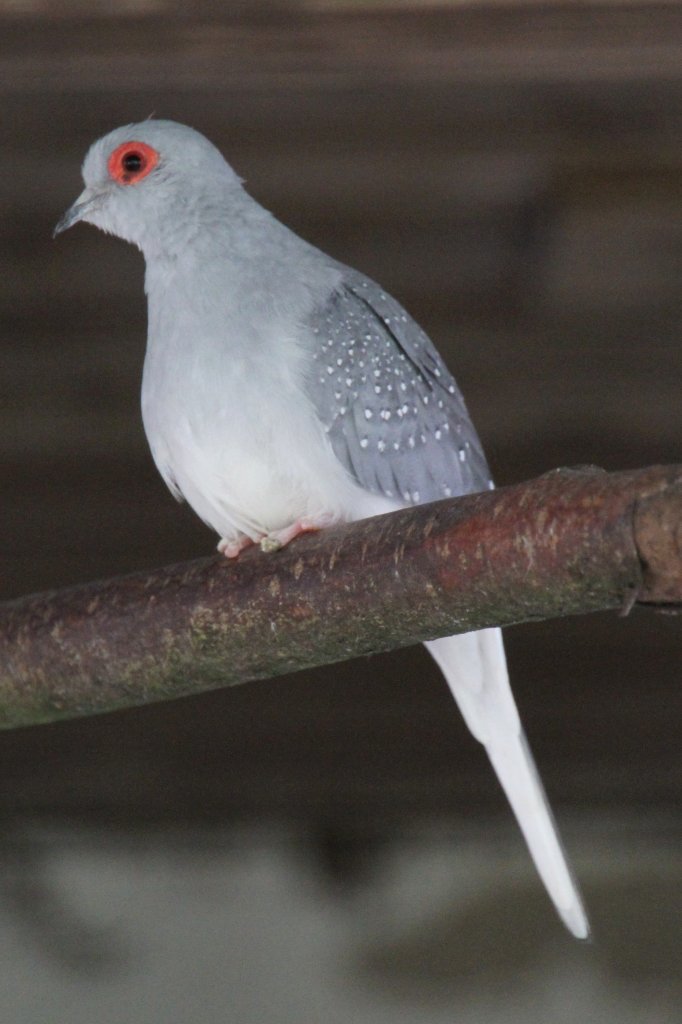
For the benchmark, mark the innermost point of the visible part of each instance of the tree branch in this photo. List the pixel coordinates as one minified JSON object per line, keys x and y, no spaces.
{"x":572,"y":541}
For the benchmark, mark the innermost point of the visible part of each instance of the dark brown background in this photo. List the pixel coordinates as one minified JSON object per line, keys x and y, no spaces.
{"x":514,"y":175}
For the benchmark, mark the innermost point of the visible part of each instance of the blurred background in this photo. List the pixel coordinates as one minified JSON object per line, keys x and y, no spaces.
{"x":333,"y":847}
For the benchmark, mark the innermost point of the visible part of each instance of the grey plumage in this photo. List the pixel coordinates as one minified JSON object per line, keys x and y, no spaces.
{"x":393,"y":412}
{"x":282,"y":392}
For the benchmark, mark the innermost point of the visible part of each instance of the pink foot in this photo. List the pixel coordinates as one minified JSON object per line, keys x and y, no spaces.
{"x":280,"y":538}
{"x":232,"y":548}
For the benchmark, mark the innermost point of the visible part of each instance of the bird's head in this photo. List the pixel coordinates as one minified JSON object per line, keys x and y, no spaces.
{"x":154,"y":184}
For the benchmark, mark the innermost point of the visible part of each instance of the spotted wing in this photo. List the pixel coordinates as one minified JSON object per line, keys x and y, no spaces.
{"x":393,"y":412}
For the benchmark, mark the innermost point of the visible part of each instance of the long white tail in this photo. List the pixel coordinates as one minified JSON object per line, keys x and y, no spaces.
{"x":475,"y":668}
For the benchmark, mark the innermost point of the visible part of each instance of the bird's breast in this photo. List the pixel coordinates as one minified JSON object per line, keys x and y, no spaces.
{"x":232,"y":431}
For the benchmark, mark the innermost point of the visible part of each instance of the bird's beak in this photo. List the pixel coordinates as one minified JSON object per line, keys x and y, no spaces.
{"x":87,"y":202}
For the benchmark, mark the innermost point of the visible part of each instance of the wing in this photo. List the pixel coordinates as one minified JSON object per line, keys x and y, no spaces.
{"x":393,"y":412}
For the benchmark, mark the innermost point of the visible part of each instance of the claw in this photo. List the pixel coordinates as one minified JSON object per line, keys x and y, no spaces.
{"x":280,"y":538}
{"x":233,"y":548}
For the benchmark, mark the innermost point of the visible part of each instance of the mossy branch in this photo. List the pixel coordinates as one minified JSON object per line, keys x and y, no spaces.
{"x":569,"y":542}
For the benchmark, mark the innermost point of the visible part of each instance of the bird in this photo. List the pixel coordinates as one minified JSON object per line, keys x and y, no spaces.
{"x":283,"y":391}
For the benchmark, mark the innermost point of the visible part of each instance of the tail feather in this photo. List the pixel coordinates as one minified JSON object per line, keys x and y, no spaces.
{"x":475,"y":668}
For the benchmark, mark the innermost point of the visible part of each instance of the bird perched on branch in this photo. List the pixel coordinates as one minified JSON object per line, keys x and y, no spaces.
{"x":283,"y":392}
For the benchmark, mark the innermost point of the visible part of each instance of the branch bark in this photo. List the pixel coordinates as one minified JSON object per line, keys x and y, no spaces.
{"x":569,"y":542}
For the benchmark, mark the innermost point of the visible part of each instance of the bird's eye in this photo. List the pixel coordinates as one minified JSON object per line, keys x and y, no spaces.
{"x":131,"y":162}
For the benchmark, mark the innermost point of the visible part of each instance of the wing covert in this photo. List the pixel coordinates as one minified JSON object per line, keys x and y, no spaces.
{"x":392,"y":410}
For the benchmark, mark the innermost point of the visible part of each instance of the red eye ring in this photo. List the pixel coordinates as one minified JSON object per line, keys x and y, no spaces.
{"x":132,"y":161}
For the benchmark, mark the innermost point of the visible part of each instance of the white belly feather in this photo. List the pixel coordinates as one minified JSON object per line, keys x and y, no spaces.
{"x":240,"y":441}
